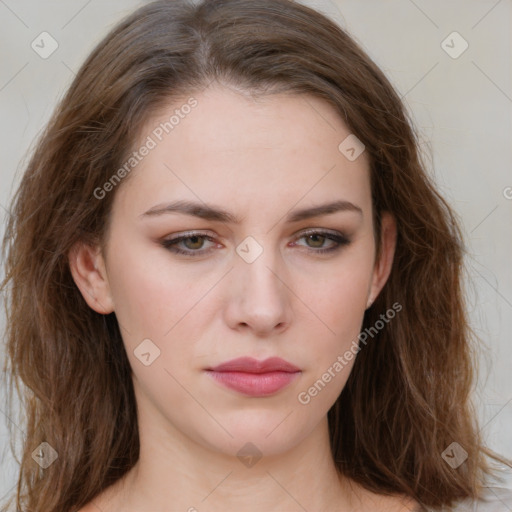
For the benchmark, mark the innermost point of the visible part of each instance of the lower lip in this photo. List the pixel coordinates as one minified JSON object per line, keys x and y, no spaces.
{"x":254,"y":384}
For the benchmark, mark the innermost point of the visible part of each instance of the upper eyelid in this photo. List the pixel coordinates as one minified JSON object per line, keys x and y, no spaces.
{"x":303,"y":232}
{"x":297,"y":236}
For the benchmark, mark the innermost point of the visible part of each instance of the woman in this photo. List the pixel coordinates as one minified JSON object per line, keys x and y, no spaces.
{"x":232,"y":284}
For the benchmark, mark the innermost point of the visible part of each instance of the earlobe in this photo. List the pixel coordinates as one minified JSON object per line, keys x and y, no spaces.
{"x":383,"y":265}
{"x":87,"y":267}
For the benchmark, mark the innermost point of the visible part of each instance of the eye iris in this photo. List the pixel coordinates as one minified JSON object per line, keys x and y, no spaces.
{"x":319,"y":240}
{"x":195,"y":240}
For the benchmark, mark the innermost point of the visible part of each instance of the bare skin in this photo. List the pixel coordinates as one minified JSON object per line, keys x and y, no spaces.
{"x":260,"y":161}
{"x":361,"y":500}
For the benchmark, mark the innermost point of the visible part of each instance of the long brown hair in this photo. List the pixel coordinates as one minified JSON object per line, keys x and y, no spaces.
{"x":408,"y":395}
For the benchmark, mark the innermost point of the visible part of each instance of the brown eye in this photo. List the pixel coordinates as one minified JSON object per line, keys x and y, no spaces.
{"x":189,"y":245}
{"x":316,"y":241}
{"x":196,"y":242}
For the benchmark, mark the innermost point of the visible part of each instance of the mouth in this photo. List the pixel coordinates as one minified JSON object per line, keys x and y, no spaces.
{"x":255,"y":378}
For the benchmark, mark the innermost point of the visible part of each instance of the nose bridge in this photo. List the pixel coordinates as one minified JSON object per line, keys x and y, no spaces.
{"x":257,"y":266}
{"x":261,"y":299}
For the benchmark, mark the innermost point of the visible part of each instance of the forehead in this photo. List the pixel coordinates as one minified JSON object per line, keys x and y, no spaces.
{"x":220,"y":145}
{"x":222,"y":119}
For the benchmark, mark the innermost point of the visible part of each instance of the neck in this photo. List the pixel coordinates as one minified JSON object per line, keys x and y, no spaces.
{"x":177,"y":473}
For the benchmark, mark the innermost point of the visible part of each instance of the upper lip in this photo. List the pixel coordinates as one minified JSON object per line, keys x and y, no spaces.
{"x":251,"y":365}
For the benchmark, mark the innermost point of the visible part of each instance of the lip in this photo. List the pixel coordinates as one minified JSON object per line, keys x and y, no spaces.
{"x":255,"y":378}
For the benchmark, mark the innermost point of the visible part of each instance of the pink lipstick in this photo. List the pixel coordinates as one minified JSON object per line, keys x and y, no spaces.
{"x":255,"y":378}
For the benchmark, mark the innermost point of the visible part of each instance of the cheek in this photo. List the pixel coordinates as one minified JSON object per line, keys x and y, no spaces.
{"x":149,"y":295}
{"x":339,"y":293}
{"x":340,"y":306}
{"x":338,"y":300}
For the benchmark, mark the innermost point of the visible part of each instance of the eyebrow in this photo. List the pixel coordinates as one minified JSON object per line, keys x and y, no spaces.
{"x":213,"y":213}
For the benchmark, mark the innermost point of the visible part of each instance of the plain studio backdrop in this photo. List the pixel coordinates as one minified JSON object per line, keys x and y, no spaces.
{"x":450,"y":61}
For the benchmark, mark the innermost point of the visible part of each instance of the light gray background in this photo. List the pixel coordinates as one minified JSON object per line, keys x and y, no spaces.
{"x":462,"y":108}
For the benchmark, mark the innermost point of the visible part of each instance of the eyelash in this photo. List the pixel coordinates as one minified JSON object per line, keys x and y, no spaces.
{"x":340,"y":240}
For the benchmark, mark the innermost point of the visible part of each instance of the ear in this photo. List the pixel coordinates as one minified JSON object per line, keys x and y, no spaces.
{"x":383,"y":265}
{"x":89,"y":273}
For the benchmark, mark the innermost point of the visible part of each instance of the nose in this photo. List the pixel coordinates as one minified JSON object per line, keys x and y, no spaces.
{"x":259,"y":299}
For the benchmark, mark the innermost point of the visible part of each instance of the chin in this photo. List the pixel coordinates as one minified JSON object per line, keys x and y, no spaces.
{"x":261,"y":433}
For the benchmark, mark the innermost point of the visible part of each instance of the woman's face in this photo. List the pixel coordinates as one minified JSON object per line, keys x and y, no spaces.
{"x":268,"y":271}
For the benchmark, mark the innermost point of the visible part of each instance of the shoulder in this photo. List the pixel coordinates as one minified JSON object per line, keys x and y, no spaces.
{"x":88,"y":508}
{"x":111,"y":499}
{"x":96,"y":505}
{"x":103,"y":502}
{"x":93,"y":506}
{"x":493,"y":499}
{"x":368,"y":500}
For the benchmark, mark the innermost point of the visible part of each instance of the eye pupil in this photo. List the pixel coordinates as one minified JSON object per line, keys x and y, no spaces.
{"x":195,"y":240}
{"x":319,"y":238}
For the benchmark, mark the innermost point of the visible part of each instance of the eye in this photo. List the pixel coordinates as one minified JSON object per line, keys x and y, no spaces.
{"x":193,"y":243}
{"x":315,"y":240}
